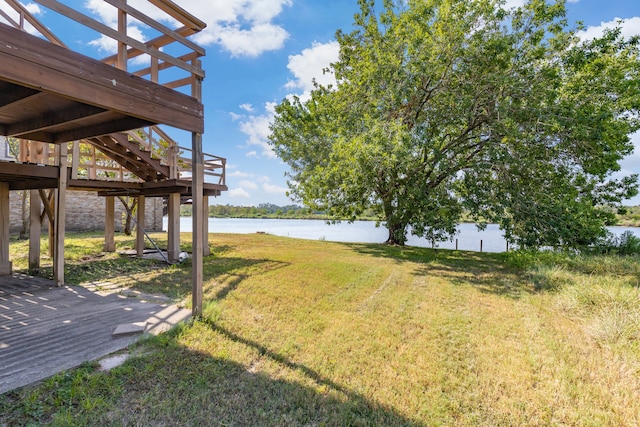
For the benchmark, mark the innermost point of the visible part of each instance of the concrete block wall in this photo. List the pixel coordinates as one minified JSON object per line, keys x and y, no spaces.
{"x":86,"y":212}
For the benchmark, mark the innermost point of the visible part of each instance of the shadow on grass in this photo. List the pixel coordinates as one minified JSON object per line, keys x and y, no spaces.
{"x":487,"y":272}
{"x":317,"y":408}
{"x":174,"y":385}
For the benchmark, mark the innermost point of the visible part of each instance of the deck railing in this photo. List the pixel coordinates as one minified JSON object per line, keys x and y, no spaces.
{"x":163,"y":53}
{"x":145,"y":58}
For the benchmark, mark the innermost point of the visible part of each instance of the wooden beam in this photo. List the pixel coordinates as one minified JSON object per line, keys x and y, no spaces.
{"x":106,"y":128}
{"x":43,"y":122}
{"x":123,"y":6}
{"x":5,"y":264}
{"x":173,"y":227}
{"x":25,"y":59}
{"x":61,"y":210}
{"x":35,"y":230}
{"x":197,"y":227}
{"x":158,"y":42}
{"x":18,"y":93}
{"x":109,"y":224}
{"x":179,"y":14}
{"x":28,"y":170}
{"x":140,"y":226}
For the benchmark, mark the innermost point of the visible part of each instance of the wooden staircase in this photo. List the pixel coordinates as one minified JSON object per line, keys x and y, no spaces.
{"x":131,"y":156}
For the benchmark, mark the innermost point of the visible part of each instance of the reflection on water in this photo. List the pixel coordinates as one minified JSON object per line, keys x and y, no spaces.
{"x":468,"y":237}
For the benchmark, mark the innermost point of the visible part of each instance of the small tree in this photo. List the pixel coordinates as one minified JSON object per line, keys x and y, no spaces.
{"x":130,"y":205}
{"x":443,"y":107}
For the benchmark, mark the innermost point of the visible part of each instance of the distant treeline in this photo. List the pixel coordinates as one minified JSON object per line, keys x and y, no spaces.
{"x":263,"y":210}
{"x":627,"y":216}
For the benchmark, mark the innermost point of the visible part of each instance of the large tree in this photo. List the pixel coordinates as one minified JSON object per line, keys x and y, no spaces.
{"x":443,"y":107}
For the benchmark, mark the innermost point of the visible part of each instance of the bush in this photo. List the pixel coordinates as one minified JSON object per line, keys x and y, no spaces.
{"x":625,"y":244}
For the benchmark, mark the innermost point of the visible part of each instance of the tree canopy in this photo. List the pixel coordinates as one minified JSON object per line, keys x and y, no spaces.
{"x":442,"y":107}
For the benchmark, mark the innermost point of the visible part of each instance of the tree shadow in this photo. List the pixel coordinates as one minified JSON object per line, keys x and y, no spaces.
{"x":486,"y":272}
{"x":199,"y":390}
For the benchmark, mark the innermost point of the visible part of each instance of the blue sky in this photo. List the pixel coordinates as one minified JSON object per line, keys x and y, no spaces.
{"x":260,"y":51}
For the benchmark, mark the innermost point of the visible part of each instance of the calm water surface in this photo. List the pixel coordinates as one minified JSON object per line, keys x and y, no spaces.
{"x":359,"y":232}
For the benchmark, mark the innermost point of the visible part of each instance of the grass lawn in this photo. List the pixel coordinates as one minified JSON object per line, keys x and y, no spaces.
{"x":299,"y":332}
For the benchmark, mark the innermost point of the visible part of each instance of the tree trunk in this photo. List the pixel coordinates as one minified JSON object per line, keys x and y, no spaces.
{"x":397,"y":229}
{"x":397,"y":234}
{"x":130,"y":209}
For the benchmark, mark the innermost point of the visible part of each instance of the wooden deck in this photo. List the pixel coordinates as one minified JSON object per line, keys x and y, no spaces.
{"x":46,"y":329}
{"x":51,"y":94}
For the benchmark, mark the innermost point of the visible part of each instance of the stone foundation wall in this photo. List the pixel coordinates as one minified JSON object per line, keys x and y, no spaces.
{"x":86,"y":212}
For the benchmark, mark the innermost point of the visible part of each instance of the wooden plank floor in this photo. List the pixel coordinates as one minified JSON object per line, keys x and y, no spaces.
{"x":45,"y":330}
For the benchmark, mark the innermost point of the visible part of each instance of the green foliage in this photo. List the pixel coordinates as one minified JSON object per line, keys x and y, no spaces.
{"x":625,"y":244}
{"x":266,"y":210}
{"x":629,"y":216}
{"x":441,"y":108}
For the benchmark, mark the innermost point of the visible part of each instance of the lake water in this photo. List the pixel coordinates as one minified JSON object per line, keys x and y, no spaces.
{"x":359,"y":232}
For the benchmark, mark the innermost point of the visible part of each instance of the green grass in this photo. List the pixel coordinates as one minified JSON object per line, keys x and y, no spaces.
{"x":299,"y":332}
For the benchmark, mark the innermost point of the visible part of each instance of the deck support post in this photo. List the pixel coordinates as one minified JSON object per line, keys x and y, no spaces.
{"x":140,"y":227}
{"x":197,"y":227}
{"x":206,"y":251}
{"x":197,"y":193}
{"x":35,"y":230}
{"x":5,"y":264}
{"x":173,"y":227}
{"x":61,"y":208}
{"x":109,"y":224}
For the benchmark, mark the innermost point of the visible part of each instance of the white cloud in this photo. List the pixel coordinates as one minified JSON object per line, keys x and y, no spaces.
{"x":33,"y":8}
{"x":247,"y":107}
{"x":309,"y":65}
{"x":249,"y":185}
{"x":629,"y":27}
{"x":273,"y":189}
{"x":239,"y":193}
{"x":241,"y":27}
{"x":239,"y":41}
{"x":252,"y":153}
{"x":257,"y":130}
{"x":237,"y":173}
